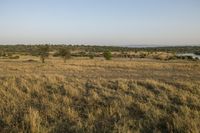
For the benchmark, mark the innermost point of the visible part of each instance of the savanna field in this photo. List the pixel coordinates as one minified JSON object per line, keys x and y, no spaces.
{"x":99,"y":66}
{"x":95,"y":95}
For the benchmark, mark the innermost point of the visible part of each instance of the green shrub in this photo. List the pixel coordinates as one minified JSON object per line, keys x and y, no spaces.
{"x":91,"y":55}
{"x":107,"y":55}
{"x":143,"y":55}
{"x":82,"y":54}
{"x":43,"y":52}
{"x":64,"y":53}
{"x":197,"y":53}
{"x":2,"y":53}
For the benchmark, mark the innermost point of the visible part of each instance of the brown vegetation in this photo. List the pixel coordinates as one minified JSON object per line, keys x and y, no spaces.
{"x":84,"y":95}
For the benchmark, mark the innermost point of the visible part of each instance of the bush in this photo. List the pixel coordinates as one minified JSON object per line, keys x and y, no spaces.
{"x":189,"y":57}
{"x":64,"y":53}
{"x":2,"y":54}
{"x":82,"y":54}
{"x":43,"y":52}
{"x":172,"y":58}
{"x":91,"y":55}
{"x":143,"y":55}
{"x":107,"y":55}
{"x":197,"y":53}
{"x":31,"y":60}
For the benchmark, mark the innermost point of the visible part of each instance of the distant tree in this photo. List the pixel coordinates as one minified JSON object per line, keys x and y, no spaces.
{"x":43,"y":52}
{"x":197,"y":53}
{"x":2,"y":53}
{"x":91,"y":55}
{"x":107,"y":55}
{"x":9,"y":54}
{"x":65,"y":53}
{"x":82,"y":54}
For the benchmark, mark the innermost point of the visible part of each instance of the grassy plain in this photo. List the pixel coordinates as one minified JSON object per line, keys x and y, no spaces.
{"x":84,"y":95}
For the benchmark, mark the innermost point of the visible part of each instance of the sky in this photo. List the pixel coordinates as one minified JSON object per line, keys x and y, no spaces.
{"x":100,"y":22}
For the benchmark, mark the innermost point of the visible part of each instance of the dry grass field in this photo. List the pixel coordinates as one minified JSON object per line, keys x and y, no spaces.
{"x":83,"y":95}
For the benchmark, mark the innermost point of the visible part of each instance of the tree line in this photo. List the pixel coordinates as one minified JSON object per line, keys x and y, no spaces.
{"x":65,"y":53}
{"x":20,"y":48}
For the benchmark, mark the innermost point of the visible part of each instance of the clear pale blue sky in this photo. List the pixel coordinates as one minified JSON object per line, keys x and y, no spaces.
{"x":105,"y":22}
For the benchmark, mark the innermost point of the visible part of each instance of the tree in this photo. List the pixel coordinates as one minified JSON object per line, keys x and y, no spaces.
{"x":65,"y":54}
{"x":91,"y":55}
{"x":107,"y":55}
{"x":2,"y":53}
{"x":197,"y":53}
{"x":43,"y":52}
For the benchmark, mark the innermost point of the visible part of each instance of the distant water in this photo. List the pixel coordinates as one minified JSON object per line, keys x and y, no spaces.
{"x":155,"y":46}
{"x":190,"y":54}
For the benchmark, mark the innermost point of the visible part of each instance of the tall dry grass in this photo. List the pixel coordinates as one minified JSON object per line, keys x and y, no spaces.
{"x":99,"y":96}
